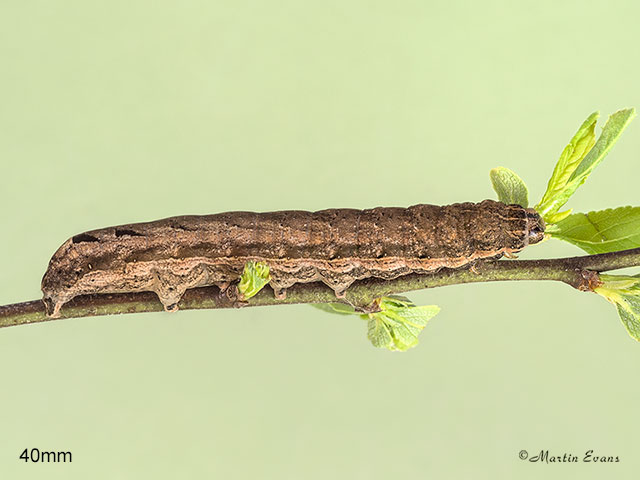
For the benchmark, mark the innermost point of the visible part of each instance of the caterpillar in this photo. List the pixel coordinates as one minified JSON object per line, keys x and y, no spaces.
{"x":336,"y":246}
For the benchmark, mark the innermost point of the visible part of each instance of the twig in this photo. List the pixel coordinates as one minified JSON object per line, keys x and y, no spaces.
{"x":578,"y":272}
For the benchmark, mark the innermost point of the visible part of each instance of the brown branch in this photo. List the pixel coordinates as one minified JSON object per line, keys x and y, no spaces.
{"x":578,"y":272}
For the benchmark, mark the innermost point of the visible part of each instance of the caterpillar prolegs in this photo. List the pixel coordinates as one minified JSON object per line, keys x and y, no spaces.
{"x":337,"y":247}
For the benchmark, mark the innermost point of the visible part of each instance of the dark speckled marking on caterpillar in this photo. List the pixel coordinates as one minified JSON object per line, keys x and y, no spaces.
{"x":336,"y":247}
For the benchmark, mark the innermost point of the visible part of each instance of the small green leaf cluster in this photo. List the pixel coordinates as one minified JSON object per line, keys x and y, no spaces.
{"x":398,"y":323}
{"x":577,"y":161}
{"x":254,"y":277}
{"x":624,"y":292}
{"x":396,"y":326}
{"x":601,"y":231}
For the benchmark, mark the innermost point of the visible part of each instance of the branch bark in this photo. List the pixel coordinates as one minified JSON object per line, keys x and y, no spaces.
{"x":579,"y":272}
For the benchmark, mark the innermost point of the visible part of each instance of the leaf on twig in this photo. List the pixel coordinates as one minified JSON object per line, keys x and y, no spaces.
{"x":602,"y":231}
{"x":579,"y":158}
{"x":254,"y":277}
{"x":396,"y":326}
{"x":624,"y":292}
{"x":510,"y":188}
{"x":570,"y":158}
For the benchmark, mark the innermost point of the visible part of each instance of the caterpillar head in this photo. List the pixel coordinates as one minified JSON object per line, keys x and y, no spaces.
{"x":535,"y":226}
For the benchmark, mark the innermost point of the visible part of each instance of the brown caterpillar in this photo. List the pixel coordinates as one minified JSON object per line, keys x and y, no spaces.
{"x":336,"y":247}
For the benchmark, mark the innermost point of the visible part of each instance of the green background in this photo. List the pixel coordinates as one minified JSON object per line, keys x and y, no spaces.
{"x":122,"y":111}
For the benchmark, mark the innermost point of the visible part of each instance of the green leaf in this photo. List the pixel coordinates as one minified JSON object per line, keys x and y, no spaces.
{"x":570,"y":158}
{"x":509,"y":187}
{"x":612,"y":130}
{"x":379,"y":333}
{"x":624,"y":292}
{"x":579,"y":159}
{"x":602,"y":231}
{"x":629,"y":311}
{"x":254,"y":277}
{"x":397,"y":326}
